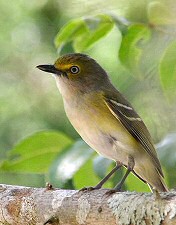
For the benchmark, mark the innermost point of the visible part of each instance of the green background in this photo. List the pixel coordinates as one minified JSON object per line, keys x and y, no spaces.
{"x":135,"y":41}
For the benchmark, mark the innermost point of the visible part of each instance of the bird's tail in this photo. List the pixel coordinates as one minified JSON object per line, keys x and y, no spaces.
{"x":159,"y":183}
{"x":151,"y":175}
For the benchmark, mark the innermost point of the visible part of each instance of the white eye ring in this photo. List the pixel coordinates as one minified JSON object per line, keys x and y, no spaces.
{"x":74,"y":69}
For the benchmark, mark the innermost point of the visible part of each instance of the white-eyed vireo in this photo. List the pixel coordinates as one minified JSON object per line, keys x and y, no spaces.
{"x":105,"y":119}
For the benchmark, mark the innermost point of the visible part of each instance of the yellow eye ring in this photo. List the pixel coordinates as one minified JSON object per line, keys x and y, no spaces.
{"x":74,"y":69}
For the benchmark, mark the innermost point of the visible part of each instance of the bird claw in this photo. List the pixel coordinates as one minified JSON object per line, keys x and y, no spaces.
{"x":88,"y":189}
{"x":156,"y":194}
{"x":112,"y":191}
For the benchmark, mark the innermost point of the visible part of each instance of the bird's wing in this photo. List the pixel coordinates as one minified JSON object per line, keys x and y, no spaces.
{"x":125,"y":113}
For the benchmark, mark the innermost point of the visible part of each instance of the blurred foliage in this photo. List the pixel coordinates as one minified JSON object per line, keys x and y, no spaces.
{"x":84,"y":32}
{"x":133,"y":40}
{"x":69,"y":162}
{"x":36,"y":153}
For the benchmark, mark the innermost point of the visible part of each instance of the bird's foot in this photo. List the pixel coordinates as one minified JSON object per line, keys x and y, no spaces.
{"x":89,"y":188}
{"x":156,"y":194}
{"x":112,"y":191}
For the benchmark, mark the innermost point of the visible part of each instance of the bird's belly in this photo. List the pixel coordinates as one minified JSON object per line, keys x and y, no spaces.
{"x":93,"y":136}
{"x":103,"y":143}
{"x":109,"y":142}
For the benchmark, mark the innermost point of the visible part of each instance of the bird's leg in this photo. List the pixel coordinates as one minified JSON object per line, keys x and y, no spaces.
{"x":130,"y":168}
{"x":100,"y":184}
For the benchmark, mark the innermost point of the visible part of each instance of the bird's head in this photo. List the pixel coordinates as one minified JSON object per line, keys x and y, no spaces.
{"x":77,"y":71}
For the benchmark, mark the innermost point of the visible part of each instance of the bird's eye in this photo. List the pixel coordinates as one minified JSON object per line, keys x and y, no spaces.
{"x":74,"y":69}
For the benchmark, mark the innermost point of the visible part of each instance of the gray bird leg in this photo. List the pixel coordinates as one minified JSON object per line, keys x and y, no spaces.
{"x":130,"y":168}
{"x":100,"y":184}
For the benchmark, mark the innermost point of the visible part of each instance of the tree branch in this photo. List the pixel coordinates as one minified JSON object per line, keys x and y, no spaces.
{"x":39,"y":206}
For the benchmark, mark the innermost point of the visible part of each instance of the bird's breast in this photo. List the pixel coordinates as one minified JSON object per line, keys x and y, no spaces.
{"x":98,"y":127}
{"x":86,"y":121}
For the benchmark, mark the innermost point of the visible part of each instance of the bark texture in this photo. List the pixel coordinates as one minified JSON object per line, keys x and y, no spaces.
{"x":39,"y":206}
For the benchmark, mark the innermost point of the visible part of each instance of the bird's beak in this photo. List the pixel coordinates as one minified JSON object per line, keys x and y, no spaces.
{"x":49,"y":69}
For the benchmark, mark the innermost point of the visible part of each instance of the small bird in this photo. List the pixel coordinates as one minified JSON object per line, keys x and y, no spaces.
{"x":105,"y":120}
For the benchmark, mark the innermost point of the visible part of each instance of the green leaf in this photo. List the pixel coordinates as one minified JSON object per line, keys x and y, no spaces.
{"x":35,"y":153}
{"x":69,"y":162}
{"x":86,"y":176}
{"x":98,"y":26}
{"x":83,"y":32}
{"x":131,"y":47}
{"x":69,"y":32}
{"x":168,"y":71}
